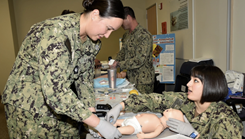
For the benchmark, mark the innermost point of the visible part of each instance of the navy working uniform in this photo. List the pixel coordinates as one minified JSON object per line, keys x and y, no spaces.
{"x":219,"y":121}
{"x":136,"y":57}
{"x":37,"y":97}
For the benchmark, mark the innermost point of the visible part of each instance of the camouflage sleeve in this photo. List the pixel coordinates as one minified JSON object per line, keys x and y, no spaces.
{"x":121,"y":55}
{"x":228,"y":128}
{"x":143,"y":50}
{"x":85,"y":88}
{"x":153,"y":102}
{"x":85,"y":82}
{"x":54,"y":71}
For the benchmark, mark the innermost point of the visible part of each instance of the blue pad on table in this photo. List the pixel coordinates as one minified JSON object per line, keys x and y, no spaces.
{"x":104,"y":83}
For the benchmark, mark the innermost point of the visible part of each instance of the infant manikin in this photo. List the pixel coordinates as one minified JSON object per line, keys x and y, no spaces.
{"x":147,"y":125}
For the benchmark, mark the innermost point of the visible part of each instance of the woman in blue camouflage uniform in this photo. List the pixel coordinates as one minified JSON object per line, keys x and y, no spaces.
{"x":55,"y":54}
{"x":209,"y":117}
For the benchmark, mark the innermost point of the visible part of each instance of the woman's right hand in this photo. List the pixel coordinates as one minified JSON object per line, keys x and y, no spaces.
{"x":114,"y":113}
{"x":114,"y":65}
{"x":107,"y":130}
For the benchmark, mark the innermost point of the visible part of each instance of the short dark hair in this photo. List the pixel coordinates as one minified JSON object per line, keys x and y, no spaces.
{"x":107,"y":8}
{"x":214,"y":83}
{"x":129,"y":11}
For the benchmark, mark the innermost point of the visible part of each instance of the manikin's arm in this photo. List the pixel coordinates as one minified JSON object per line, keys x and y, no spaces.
{"x":154,"y":134}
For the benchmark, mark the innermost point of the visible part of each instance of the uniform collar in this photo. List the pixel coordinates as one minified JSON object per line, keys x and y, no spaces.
{"x":206,"y":115}
{"x":95,"y":44}
{"x":136,"y":28}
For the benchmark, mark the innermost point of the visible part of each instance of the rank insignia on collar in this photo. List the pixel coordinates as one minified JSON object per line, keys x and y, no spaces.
{"x":76,"y":70}
{"x":97,"y":47}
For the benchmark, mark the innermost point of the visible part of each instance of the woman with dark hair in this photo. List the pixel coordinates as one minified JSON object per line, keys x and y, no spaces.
{"x":208,"y":116}
{"x":55,"y":54}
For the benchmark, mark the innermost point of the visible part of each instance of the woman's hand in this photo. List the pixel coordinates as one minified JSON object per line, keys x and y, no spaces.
{"x":107,"y":130}
{"x":184,"y":128}
{"x":114,"y":113}
{"x":114,"y":65}
{"x":123,"y":74}
{"x":95,"y":134}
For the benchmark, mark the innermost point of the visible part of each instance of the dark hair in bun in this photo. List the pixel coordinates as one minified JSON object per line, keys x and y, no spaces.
{"x":87,"y":3}
{"x":107,"y":8}
{"x":66,"y":12}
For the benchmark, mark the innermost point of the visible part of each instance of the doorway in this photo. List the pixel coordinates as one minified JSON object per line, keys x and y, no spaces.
{"x":152,"y":19}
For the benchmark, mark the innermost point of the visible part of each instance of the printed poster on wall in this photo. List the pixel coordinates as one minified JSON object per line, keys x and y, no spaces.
{"x":164,"y":57}
{"x":178,"y":14}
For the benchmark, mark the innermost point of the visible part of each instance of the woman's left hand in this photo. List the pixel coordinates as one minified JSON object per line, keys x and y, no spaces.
{"x":184,"y":128}
{"x":123,"y":74}
{"x":95,"y":134}
{"x":114,"y":65}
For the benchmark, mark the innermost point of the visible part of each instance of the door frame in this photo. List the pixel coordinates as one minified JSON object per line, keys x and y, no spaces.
{"x":156,"y":16}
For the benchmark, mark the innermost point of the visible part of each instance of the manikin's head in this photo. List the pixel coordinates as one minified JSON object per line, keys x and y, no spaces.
{"x":172,"y":113}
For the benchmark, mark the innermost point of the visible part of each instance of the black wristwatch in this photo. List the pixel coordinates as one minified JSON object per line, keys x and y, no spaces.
{"x":194,"y":134}
{"x":103,"y":107}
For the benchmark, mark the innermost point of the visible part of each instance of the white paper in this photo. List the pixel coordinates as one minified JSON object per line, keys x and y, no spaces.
{"x":169,"y":47}
{"x":159,"y":78}
{"x":166,"y":58}
{"x":168,"y":73}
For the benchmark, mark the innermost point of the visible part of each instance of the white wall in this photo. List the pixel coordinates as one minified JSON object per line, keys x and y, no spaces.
{"x":208,"y":36}
{"x":211,"y":30}
{"x":29,"y":12}
{"x":7,"y":52}
{"x":238,"y":36}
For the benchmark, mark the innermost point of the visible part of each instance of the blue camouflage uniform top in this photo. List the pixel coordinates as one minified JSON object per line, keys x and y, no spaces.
{"x":136,"y":56}
{"x":52,"y":57}
{"x":219,"y":121}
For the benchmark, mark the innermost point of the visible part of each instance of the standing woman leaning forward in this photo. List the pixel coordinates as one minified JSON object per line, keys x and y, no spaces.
{"x":56,"y":53}
{"x":209,"y":117}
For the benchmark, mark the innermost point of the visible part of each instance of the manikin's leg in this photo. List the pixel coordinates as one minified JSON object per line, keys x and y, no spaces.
{"x":118,"y":122}
{"x":125,"y":130}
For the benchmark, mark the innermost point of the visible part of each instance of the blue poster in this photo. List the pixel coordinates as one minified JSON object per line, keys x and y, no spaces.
{"x":164,"y":57}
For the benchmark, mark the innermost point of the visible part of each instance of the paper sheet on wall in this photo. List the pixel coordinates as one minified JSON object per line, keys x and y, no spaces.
{"x":169,"y":47}
{"x":166,"y":58}
{"x":178,"y":15}
{"x":168,"y":74}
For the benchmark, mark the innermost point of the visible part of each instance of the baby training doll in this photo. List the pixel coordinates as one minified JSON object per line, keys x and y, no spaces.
{"x":147,"y":125}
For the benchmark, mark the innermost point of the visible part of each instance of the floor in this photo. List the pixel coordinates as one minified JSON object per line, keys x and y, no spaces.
{"x":3,"y":128}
